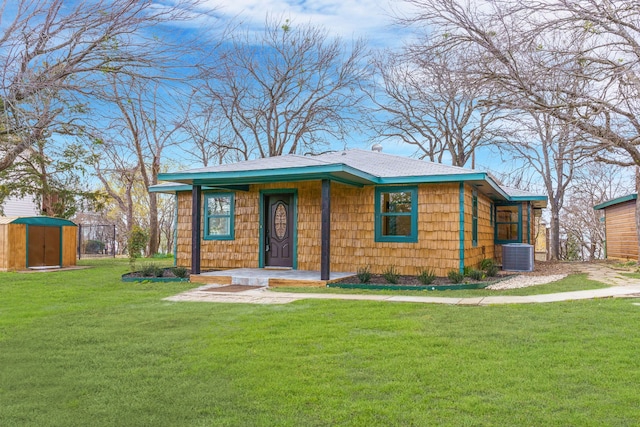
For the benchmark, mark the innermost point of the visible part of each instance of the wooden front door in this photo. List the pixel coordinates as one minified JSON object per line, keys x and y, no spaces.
{"x":279,"y":230}
{"x":43,"y":246}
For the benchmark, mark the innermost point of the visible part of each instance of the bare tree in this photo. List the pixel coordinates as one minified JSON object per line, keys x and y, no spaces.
{"x":141,"y":128}
{"x":56,"y":50}
{"x":548,"y":146}
{"x":289,"y":89}
{"x":427,"y":100}
{"x":523,"y":46}
{"x":593,"y":184}
{"x":207,"y":143}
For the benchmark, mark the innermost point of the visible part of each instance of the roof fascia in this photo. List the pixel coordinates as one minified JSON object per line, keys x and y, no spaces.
{"x":616,"y":201}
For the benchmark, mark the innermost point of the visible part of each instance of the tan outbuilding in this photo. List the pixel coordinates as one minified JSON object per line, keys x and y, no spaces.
{"x":620,"y":227}
{"x":36,"y":242}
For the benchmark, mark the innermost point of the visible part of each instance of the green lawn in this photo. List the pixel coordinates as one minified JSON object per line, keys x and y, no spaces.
{"x":81,"y":348}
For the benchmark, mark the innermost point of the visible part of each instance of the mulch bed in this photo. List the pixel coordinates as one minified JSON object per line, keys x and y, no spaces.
{"x":378,"y":279}
{"x":166,"y":272}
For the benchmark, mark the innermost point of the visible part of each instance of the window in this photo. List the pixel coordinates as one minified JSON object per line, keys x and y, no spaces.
{"x":474,"y":218}
{"x":218,"y":218}
{"x":508,"y":224}
{"x":396,"y":214}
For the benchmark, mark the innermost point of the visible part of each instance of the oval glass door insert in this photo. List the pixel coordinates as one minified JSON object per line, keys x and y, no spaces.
{"x":280,"y":221}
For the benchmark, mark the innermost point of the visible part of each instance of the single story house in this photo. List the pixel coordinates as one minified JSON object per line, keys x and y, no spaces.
{"x":345,"y":210}
{"x":621,"y":236}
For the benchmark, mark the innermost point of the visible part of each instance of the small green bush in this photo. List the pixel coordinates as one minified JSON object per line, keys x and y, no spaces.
{"x":180,"y":272}
{"x":455,"y":276}
{"x":476,"y":274}
{"x":426,"y":276}
{"x":136,"y":243}
{"x":364,"y":274}
{"x":151,"y":270}
{"x":492,"y":271}
{"x":486,"y":264}
{"x":391,"y":275}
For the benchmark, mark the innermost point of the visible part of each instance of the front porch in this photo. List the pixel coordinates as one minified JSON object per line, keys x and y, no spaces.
{"x":267,"y":277}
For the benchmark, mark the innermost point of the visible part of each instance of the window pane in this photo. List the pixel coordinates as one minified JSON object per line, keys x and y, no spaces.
{"x":219,"y":205}
{"x":395,"y":202}
{"x":507,"y":214}
{"x":219,"y":226}
{"x":507,"y":231}
{"x":396,"y":225}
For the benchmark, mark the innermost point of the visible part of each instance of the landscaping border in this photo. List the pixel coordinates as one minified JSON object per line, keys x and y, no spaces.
{"x":459,"y":286}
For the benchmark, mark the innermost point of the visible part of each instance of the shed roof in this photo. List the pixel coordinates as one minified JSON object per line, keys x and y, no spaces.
{"x":616,"y":201}
{"x":36,"y":220}
{"x":353,"y":167}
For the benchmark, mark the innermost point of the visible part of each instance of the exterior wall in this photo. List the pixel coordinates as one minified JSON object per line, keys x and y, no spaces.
{"x":540,"y":240}
{"x":20,"y":206}
{"x":69,"y":242}
{"x":485,"y":248}
{"x":4,"y":247}
{"x":353,"y":242}
{"x":221,"y":254}
{"x":13,"y":247}
{"x":622,"y":240}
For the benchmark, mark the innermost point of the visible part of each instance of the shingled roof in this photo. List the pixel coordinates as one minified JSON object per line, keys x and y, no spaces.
{"x":354,"y":167}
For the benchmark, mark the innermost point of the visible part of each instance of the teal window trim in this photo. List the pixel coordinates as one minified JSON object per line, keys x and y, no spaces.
{"x":528,"y":222}
{"x":230,"y":216}
{"x":474,"y":218}
{"x":498,"y":223}
{"x":380,"y":216}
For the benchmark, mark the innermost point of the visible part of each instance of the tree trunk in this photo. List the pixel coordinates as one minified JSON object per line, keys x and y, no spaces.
{"x":554,"y":241}
{"x":154,"y":235}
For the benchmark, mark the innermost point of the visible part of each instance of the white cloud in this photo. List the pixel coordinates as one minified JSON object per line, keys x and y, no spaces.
{"x":370,"y":19}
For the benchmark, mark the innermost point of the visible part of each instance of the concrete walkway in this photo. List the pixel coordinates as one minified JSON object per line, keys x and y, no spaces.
{"x":264,"y":296}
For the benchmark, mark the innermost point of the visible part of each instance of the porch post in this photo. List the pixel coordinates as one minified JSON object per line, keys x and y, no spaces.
{"x":196,"y":209}
{"x":325,"y":231}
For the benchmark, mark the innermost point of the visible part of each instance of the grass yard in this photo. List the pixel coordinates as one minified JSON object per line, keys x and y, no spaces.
{"x":81,"y":348}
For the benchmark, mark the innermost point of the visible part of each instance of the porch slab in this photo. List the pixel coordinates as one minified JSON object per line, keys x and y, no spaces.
{"x":267,"y":277}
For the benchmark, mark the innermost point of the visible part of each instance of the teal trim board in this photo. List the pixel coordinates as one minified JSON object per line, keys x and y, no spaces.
{"x":528,"y":222}
{"x":27,"y":246}
{"x":461,"y":252}
{"x":175,"y":232}
{"x":60,"y":253}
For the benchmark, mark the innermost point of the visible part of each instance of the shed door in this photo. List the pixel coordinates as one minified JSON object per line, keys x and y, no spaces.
{"x":43,"y":246}
{"x":279,"y":231}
